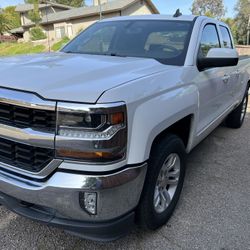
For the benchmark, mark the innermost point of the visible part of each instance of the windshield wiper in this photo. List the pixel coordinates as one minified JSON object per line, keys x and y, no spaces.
{"x":69,"y":52}
{"x":101,"y":54}
{"x":115,"y":54}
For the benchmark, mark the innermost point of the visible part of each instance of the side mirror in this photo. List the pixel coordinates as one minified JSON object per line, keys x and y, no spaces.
{"x":218,"y":57}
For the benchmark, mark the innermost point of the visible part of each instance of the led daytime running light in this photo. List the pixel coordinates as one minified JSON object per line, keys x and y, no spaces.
{"x":76,"y":133}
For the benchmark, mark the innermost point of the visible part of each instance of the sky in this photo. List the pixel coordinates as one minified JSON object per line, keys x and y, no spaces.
{"x":164,"y":6}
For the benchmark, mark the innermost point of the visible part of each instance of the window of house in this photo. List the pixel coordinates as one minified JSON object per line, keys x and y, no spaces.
{"x":226,"y":37}
{"x":60,"y":32}
{"x":70,"y":31}
{"x":209,"y":40}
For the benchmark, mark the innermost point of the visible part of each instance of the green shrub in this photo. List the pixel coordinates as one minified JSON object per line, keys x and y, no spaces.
{"x":57,"y":46}
{"x":37,"y":34}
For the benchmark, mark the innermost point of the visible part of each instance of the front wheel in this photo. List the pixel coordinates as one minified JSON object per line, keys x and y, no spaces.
{"x":163,"y":183}
{"x":236,"y":118}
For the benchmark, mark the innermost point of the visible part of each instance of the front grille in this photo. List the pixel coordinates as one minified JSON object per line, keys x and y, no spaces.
{"x":22,"y":117}
{"x":24,"y":157}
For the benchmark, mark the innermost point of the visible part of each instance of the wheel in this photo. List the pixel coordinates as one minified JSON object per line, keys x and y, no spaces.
{"x":163,"y":184}
{"x":236,"y":118}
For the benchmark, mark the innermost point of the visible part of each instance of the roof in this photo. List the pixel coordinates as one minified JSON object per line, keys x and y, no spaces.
{"x":152,"y":17}
{"x":28,"y":7}
{"x":75,"y":13}
{"x":17,"y":30}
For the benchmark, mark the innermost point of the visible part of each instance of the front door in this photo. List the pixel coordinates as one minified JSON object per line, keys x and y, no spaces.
{"x":213,"y":83}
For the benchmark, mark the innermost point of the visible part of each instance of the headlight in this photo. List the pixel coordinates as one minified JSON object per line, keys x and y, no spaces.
{"x":91,"y":133}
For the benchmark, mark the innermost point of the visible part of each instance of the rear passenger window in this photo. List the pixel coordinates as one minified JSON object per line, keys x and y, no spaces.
{"x":226,"y":37}
{"x":209,"y":40}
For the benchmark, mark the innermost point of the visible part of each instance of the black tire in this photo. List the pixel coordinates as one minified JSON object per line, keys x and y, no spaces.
{"x":236,"y":118}
{"x":146,"y":214}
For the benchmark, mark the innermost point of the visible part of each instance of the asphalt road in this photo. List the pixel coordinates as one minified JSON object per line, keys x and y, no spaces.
{"x":213,"y":212}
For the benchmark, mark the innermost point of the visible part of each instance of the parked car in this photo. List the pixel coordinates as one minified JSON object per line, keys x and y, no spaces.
{"x":94,"y":138}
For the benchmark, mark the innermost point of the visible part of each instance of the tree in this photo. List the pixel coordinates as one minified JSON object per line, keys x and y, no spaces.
{"x":2,"y":23}
{"x":242,"y":17}
{"x":231,"y":22}
{"x":211,"y":8}
{"x":9,"y":19}
{"x":73,"y":3}
{"x":34,"y":14}
{"x":12,"y":17}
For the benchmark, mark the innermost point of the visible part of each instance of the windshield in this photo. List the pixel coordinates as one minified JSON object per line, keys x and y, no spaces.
{"x":165,"y":41}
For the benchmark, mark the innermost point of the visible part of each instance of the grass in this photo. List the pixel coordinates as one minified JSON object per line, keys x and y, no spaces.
{"x":57,"y":46}
{"x":7,"y":49}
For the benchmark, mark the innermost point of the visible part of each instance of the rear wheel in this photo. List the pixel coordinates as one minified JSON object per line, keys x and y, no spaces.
{"x":163,"y":183}
{"x":236,"y":118}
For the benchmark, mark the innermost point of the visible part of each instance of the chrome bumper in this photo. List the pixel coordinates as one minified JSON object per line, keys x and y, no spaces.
{"x":118,"y":193}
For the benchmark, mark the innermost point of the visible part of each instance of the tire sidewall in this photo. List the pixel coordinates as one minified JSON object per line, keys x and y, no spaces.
{"x":234,"y":120}
{"x":171,"y":144}
{"x":245,"y":97}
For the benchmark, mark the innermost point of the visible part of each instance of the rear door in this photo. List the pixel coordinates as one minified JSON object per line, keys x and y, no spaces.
{"x":233,"y":72}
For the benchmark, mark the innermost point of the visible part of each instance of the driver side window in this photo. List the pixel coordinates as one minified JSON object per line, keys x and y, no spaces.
{"x":209,"y":40}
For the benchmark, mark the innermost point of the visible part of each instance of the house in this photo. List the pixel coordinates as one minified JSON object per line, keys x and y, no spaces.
{"x":45,"y":9}
{"x":59,"y":20}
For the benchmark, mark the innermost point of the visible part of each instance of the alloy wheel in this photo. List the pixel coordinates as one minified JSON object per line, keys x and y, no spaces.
{"x":167,"y":182}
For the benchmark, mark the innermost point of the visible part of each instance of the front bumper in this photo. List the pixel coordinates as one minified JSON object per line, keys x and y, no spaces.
{"x":101,"y":231}
{"x":117,"y":193}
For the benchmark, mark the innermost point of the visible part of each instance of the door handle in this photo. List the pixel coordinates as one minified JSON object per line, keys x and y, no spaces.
{"x":225,"y":78}
{"x":237,"y":72}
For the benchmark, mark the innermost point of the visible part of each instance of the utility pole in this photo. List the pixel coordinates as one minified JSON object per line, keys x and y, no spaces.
{"x":48,"y":35}
{"x":248,"y":31}
{"x":1,"y":12}
{"x":100,"y":9}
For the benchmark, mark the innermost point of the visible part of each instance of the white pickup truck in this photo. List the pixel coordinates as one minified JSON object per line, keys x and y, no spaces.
{"x":94,"y":138}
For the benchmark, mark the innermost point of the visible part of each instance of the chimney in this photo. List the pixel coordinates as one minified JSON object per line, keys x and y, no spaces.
{"x":96,"y":2}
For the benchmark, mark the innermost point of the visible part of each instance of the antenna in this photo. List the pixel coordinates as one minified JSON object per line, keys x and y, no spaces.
{"x":177,"y":13}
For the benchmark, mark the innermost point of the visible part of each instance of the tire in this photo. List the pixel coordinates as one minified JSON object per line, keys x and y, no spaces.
{"x":236,"y":118}
{"x":148,"y":215}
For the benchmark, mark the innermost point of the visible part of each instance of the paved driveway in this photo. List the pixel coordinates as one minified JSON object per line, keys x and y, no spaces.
{"x":213,"y":212}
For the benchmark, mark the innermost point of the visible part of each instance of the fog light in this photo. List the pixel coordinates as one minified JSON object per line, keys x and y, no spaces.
{"x":88,"y":201}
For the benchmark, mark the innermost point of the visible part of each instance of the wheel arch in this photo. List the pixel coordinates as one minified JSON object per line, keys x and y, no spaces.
{"x":182,"y":128}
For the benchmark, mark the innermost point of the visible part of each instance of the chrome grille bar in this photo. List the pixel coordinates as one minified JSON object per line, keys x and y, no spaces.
{"x":24,"y":99}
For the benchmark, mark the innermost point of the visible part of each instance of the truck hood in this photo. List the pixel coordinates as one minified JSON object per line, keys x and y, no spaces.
{"x":72,"y":77}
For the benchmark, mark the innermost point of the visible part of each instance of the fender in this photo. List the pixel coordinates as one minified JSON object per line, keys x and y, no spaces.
{"x":154,"y":105}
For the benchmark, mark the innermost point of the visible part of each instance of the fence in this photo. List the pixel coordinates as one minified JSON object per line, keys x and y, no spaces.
{"x":243,"y":50}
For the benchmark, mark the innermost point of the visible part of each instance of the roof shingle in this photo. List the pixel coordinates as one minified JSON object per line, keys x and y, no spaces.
{"x":28,"y":7}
